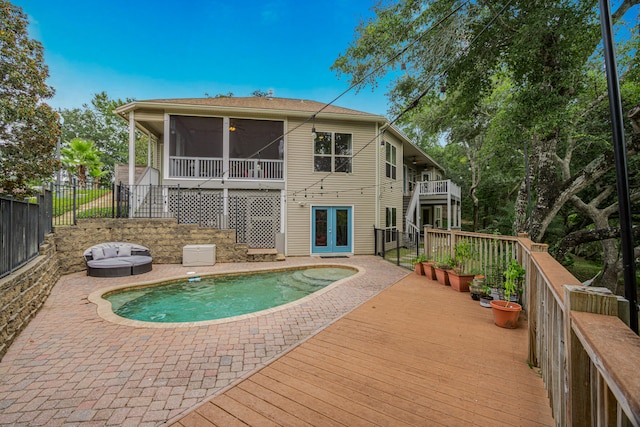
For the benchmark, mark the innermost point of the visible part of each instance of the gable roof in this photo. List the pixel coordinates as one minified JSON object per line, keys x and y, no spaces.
{"x":288,"y":105}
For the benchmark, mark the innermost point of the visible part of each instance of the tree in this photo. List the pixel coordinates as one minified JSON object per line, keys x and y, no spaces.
{"x":29,"y":127}
{"x":81,"y":157}
{"x":96,"y":122}
{"x":542,"y":47}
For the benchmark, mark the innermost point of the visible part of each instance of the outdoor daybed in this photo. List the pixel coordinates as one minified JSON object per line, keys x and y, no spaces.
{"x":115,"y":259}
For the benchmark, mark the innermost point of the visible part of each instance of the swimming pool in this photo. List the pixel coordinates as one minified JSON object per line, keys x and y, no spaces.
{"x":198,"y":299}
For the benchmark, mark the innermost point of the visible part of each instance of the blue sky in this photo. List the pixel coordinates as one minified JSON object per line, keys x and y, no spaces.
{"x":166,"y":49}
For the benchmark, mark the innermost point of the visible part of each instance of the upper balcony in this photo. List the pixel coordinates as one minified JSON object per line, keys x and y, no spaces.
{"x":438,"y":188}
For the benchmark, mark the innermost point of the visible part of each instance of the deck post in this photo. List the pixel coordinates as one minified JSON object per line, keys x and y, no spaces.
{"x":579,"y":408}
{"x":428,"y":244}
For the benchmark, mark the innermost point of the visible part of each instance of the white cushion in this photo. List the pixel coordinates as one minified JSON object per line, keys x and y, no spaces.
{"x":124,"y":250}
{"x":97,"y":253}
{"x":110,"y":252}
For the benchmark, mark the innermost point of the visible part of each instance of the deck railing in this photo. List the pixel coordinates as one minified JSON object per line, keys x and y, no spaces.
{"x":195,"y":167}
{"x":587,"y":355}
{"x":255,"y":169}
{"x":208,"y":167}
{"x":429,"y":188}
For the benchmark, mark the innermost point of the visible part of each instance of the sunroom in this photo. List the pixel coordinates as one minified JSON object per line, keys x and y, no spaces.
{"x":225,"y":148}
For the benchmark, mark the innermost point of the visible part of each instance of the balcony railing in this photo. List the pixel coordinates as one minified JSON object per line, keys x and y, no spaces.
{"x":587,"y":355}
{"x":255,"y":169}
{"x":434,"y":188}
{"x":195,"y":167}
{"x":210,"y":167}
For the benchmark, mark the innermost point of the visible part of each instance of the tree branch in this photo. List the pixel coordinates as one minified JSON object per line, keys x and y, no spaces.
{"x":576,"y":238}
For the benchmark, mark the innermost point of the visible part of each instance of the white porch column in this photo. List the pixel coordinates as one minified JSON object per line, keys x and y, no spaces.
{"x":149,"y":149}
{"x":225,"y":148}
{"x":459,"y":213}
{"x":132,"y":148}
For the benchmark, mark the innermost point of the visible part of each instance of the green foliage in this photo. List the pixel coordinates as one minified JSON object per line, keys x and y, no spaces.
{"x":103,"y":212}
{"x":96,"y":122}
{"x":28,"y":127}
{"x":80,"y":157}
{"x":419,"y":258}
{"x":463,"y":253}
{"x":532,"y":74}
{"x":513,"y":276}
{"x":64,"y":204}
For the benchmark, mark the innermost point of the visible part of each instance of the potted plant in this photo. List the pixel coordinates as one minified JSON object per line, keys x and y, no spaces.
{"x":417,"y":264}
{"x":442,"y":267}
{"x":429,"y":271}
{"x":476,"y":287}
{"x":485,"y":296}
{"x":506,"y":312}
{"x":458,"y":277}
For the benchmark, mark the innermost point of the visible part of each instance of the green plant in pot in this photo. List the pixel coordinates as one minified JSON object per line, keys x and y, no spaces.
{"x":443,"y":265}
{"x":417,"y":264}
{"x":458,"y":277}
{"x":513,"y":278}
{"x":506,"y":312}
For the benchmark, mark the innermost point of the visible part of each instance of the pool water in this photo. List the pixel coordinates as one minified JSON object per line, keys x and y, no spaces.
{"x":218,"y":297}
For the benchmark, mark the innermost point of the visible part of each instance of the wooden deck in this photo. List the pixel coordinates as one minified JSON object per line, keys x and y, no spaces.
{"x":417,"y":354}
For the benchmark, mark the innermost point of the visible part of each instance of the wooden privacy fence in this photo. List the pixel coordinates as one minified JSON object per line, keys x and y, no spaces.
{"x":578,"y":336}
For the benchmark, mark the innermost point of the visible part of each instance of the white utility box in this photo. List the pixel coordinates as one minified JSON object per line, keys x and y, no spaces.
{"x":198,"y":255}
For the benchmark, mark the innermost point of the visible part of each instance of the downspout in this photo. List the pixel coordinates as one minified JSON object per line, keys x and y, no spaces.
{"x":377,"y":188}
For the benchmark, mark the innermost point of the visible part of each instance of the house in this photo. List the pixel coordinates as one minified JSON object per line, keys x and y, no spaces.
{"x":296,"y":175}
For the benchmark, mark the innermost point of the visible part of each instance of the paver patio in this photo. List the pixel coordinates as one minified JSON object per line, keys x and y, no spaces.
{"x":72,"y":367}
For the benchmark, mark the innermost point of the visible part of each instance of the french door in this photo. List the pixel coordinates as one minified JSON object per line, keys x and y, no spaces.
{"x":331,"y":229}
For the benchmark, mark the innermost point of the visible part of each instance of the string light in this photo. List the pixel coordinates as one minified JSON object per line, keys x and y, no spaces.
{"x":411,"y":106}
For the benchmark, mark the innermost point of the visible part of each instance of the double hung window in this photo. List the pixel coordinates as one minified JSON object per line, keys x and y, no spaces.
{"x":390,"y":224}
{"x":390,"y":160}
{"x":332,"y":152}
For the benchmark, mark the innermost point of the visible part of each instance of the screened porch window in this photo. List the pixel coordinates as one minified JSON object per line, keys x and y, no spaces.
{"x":256,"y":139}
{"x":195,"y":136}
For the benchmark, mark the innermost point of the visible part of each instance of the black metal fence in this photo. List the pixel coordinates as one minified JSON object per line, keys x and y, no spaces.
{"x":71,"y":202}
{"x":401,"y":248}
{"x":23,"y":225}
{"x":204,"y":207}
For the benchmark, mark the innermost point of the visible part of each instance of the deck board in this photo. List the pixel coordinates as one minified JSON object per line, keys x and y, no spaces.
{"x":416,"y":354}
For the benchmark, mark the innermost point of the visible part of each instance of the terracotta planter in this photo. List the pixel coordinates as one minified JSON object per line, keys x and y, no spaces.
{"x":460,"y":282}
{"x":505,"y":314}
{"x":418,"y":268}
{"x":428,"y":270}
{"x":442,"y":276}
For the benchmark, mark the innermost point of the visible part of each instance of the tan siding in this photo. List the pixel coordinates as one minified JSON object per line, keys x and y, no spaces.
{"x":300,"y":175}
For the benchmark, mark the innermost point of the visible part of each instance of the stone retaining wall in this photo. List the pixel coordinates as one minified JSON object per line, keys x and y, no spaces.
{"x":24,"y":291}
{"x":164,"y":237}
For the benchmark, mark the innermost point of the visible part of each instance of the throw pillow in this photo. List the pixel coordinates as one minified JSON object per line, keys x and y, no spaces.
{"x":124,"y":250}
{"x":110,"y":252}
{"x":97,"y":253}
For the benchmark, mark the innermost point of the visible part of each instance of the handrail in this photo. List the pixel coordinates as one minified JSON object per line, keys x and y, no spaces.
{"x":587,"y":356}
